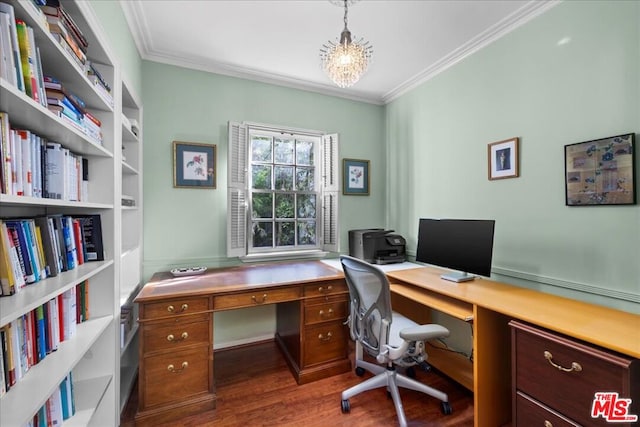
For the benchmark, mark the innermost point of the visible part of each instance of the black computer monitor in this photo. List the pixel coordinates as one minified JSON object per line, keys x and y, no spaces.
{"x":464,"y":245}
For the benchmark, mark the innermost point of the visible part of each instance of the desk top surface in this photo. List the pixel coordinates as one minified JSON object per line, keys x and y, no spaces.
{"x":238,"y":278}
{"x":603,"y":326}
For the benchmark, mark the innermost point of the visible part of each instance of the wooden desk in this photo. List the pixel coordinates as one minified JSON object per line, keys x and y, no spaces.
{"x":176,"y":327}
{"x":490,"y":306}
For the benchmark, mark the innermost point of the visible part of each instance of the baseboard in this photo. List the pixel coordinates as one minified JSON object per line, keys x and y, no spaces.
{"x":242,"y":342}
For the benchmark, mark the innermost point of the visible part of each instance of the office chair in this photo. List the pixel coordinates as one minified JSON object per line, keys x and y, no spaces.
{"x":391,"y":338}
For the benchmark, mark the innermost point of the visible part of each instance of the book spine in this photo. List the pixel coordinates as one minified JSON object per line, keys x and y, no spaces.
{"x":28,"y":75}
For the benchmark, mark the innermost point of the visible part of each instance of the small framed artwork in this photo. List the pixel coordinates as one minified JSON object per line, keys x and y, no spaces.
{"x":600,"y":172}
{"x":194,"y":165}
{"x":503,"y":159}
{"x":355,"y":177}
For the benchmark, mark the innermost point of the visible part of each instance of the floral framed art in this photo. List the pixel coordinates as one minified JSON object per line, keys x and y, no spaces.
{"x":194,"y":165}
{"x":355,"y":177}
{"x":600,"y":172}
{"x":503,"y":159}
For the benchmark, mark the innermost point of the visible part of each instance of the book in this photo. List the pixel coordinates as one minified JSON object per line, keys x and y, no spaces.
{"x":11,"y":367}
{"x":11,"y":277}
{"x":5,"y":359}
{"x":55,"y":171}
{"x":28,"y":67}
{"x":5,"y":131}
{"x":69,"y":242}
{"x":15,"y":256}
{"x":91,"y":226}
{"x":77,"y":233}
{"x":8,"y":67}
{"x":27,"y":167}
{"x":3,"y":387}
{"x":18,"y":235}
{"x":41,"y":339}
{"x":8,"y":9}
{"x":49,"y":237}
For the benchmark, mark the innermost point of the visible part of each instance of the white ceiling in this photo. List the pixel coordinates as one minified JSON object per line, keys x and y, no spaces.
{"x":278,"y":41}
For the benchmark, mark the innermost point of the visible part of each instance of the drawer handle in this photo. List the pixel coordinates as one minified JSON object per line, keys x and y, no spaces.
{"x":172,"y":309}
{"x":547,"y":423}
{"x":173,"y":369}
{"x":323,"y":338}
{"x":323,"y":290}
{"x":183,"y":337}
{"x":575,"y":366}
{"x":328,"y":314}
{"x":255,"y":300}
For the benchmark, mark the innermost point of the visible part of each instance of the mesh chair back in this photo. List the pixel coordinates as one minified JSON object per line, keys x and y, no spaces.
{"x":370,"y":315}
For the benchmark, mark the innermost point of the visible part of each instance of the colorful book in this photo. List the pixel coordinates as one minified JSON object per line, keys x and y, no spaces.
{"x":28,"y":65}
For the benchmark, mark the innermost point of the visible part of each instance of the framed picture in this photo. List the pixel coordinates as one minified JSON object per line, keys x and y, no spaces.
{"x":194,"y":165}
{"x":355,"y":177}
{"x":503,"y":159}
{"x":601,"y":172}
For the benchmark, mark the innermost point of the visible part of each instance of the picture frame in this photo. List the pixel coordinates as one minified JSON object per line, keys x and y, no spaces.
{"x":355,"y":177}
{"x":194,"y":165}
{"x":601,"y":172}
{"x":503,"y":159}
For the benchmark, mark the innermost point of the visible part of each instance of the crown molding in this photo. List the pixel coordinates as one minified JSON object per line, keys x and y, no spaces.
{"x":142,"y":38}
{"x":518,"y":18}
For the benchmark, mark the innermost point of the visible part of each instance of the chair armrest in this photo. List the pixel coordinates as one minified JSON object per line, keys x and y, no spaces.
{"x":424,"y":332}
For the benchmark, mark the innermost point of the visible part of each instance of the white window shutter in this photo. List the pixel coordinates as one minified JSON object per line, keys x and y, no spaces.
{"x":330,"y":193}
{"x":237,"y":190}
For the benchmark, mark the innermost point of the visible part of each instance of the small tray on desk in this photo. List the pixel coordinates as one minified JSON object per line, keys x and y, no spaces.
{"x":187,"y":271}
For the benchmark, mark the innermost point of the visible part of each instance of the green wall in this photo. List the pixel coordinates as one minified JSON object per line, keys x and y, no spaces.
{"x":528,"y":85}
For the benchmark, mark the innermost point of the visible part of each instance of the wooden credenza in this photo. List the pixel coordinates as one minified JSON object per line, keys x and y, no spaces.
{"x":176,"y":326}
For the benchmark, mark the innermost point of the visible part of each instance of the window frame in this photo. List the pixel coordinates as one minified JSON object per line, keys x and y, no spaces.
{"x":239,"y":209}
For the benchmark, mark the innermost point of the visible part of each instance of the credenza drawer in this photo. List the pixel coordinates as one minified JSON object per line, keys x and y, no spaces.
{"x":174,"y":308}
{"x":564,"y":374}
{"x":177,"y":376}
{"x":321,"y":289}
{"x":324,"y":342}
{"x":333,"y":309}
{"x":531,"y":414}
{"x":257,"y":297}
{"x":175,"y":336}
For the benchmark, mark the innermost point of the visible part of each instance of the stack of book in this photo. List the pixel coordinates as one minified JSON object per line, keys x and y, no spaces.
{"x":99,"y":83}
{"x":58,"y":408}
{"x":71,"y":108}
{"x":34,"y":167}
{"x":29,"y":339}
{"x":32,"y":249}
{"x":66,"y":32}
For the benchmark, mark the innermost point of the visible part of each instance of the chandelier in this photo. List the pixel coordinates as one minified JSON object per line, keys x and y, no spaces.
{"x":345,"y":60}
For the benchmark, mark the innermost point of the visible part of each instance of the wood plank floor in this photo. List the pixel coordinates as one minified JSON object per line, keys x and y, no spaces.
{"x":255,"y":388}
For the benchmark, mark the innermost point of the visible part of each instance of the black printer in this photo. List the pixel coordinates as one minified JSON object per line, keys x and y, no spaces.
{"x":377,"y":246}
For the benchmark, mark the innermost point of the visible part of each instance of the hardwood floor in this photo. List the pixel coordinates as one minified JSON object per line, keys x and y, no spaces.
{"x":255,"y":388}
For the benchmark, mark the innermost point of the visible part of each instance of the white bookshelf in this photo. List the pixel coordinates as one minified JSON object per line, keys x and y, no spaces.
{"x":103,"y":373}
{"x":131,"y":237}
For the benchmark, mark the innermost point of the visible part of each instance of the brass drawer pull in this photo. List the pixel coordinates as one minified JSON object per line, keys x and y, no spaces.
{"x":575,"y":366}
{"x":255,"y":300}
{"x":323,"y":338}
{"x":172,"y":309}
{"x":547,"y":423}
{"x":328,"y":314}
{"x":183,"y":337}
{"x":173,"y":369}
{"x":323,"y":290}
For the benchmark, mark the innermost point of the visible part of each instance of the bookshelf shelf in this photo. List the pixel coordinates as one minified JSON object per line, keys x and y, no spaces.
{"x":89,"y":396}
{"x":29,"y":394}
{"x":93,"y":354}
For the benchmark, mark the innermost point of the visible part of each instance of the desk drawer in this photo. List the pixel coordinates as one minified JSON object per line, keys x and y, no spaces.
{"x":531,"y":413}
{"x":177,"y":376}
{"x":333,"y":309}
{"x":174,"y":308}
{"x":565,"y":374}
{"x":321,"y":289}
{"x":175,"y":336}
{"x":324,"y":342}
{"x":257,"y":297}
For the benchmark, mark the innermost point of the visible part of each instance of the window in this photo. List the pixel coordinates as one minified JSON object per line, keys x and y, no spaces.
{"x":282,"y":191}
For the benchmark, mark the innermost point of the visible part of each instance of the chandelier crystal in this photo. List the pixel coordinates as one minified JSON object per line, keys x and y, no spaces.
{"x":345,"y":60}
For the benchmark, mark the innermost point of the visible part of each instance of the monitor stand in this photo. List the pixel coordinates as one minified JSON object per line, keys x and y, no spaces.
{"x":455,"y":276}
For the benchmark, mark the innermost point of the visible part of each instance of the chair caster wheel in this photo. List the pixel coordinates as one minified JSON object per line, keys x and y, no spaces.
{"x":346,"y":406}
{"x":360,"y":371}
{"x":445,"y":407}
{"x":411,"y":372}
